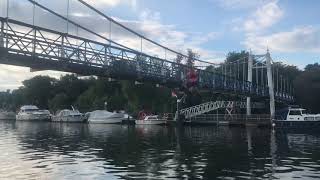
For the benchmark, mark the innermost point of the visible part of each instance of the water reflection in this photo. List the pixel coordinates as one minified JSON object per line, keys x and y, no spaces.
{"x":70,"y":151}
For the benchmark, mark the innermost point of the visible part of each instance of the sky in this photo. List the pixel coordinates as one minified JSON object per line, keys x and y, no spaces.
{"x":290,"y":29}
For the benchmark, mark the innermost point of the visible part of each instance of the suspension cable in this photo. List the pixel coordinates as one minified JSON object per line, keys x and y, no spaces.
{"x":137,"y":34}
{"x":74,"y":23}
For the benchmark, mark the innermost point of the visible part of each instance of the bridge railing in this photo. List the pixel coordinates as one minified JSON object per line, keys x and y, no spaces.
{"x":206,"y":107}
{"x":45,"y":45}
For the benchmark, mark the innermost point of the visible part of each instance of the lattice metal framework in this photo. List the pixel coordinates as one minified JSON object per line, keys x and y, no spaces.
{"x":214,"y":105}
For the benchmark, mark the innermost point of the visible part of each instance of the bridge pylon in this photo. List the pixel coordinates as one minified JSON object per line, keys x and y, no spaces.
{"x":270,"y":84}
{"x":250,"y":66}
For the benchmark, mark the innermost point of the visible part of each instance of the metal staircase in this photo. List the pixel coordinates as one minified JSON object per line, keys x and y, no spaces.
{"x":214,"y":105}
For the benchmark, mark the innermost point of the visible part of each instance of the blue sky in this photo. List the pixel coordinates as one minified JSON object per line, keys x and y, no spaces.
{"x":212,"y":28}
{"x":289,"y":28}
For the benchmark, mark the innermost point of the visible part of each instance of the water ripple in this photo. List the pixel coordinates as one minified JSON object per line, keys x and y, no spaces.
{"x":80,"y":151}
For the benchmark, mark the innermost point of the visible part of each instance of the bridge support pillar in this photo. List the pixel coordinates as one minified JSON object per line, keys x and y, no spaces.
{"x":250,"y":65}
{"x":270,"y":84}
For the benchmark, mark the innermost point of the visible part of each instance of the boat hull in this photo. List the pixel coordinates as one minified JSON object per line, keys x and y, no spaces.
{"x":75,"y":119}
{"x":296,"y":124}
{"x":32,"y":117}
{"x":105,"y":120}
{"x":150,"y":122}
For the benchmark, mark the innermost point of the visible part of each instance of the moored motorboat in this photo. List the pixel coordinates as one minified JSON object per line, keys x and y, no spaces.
{"x":106,"y":117}
{"x":151,"y":120}
{"x":297,"y":118}
{"x":67,"y":115}
{"x":30,"y":112}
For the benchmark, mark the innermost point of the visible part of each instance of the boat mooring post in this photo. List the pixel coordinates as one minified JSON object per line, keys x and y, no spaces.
{"x":177,"y":112}
{"x":105,"y":105}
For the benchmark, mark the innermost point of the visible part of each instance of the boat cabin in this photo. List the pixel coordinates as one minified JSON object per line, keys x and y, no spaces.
{"x":29,"y":108}
{"x":299,"y":114}
{"x":67,"y":112}
{"x":295,"y":114}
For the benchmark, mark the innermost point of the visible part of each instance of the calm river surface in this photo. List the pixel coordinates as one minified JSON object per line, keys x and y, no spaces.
{"x":31,"y":150}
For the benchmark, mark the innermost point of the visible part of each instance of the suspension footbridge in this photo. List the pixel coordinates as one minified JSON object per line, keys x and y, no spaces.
{"x":32,"y":45}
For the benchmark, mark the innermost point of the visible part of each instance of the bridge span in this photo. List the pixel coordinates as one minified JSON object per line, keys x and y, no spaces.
{"x":30,"y":45}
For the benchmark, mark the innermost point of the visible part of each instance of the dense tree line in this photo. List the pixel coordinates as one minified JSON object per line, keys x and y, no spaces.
{"x":91,"y":93}
{"x":87,"y":94}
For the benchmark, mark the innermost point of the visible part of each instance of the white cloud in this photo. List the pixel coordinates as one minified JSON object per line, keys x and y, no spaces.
{"x":237,"y":4}
{"x":12,"y":76}
{"x":112,"y":3}
{"x":150,"y":25}
{"x":264,"y":17}
{"x":304,"y":39}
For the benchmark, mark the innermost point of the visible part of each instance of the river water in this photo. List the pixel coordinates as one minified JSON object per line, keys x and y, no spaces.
{"x":33,"y":150}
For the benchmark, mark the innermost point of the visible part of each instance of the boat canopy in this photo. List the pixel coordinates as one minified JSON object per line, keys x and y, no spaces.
{"x":101,"y":114}
{"x":29,"y":107}
{"x":67,"y":112}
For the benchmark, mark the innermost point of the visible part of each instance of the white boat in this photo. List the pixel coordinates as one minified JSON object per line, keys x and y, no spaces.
{"x":30,"y":112}
{"x":6,"y":115}
{"x":106,"y":117}
{"x":298,"y":118}
{"x":151,"y":120}
{"x":67,"y":115}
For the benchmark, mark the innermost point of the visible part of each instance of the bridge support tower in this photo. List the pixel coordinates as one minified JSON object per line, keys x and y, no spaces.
{"x":250,"y":66}
{"x":270,"y":84}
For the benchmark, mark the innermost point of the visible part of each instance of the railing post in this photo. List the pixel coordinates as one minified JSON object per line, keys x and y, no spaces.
{"x":250,"y":64}
{"x":62,"y":46}
{"x":2,"y":34}
{"x":34,"y":42}
{"x":105,"y":56}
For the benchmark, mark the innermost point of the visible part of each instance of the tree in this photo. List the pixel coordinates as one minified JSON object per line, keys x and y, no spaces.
{"x":38,"y":90}
{"x":59,"y":102}
{"x":307,"y":88}
{"x":192,"y":56}
{"x":312,"y":67}
{"x":72,"y":86}
{"x":179,"y":59}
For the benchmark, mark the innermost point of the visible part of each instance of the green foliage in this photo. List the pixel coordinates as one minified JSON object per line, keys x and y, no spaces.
{"x":59,"y":101}
{"x":291,"y":72}
{"x":313,"y":67}
{"x":38,"y":90}
{"x":192,"y":56}
{"x":307,"y":88}
{"x":179,"y":59}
